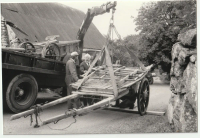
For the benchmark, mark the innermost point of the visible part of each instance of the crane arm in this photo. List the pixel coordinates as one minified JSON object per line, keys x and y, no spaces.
{"x":88,"y":20}
{"x":90,"y":15}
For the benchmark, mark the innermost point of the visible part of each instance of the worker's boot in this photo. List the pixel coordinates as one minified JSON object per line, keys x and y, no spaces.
{"x":131,"y":105}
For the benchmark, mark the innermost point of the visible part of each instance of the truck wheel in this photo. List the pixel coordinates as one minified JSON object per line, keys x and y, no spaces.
{"x":143,"y":96}
{"x":21,"y":93}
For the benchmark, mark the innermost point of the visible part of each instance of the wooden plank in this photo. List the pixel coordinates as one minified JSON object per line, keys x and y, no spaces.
{"x":121,"y":110}
{"x":95,"y":89}
{"x":92,"y":93}
{"x":112,"y":76}
{"x":104,"y":78}
{"x":136,"y":112}
{"x":97,"y":92}
{"x":156,"y":113}
{"x":47,"y":105}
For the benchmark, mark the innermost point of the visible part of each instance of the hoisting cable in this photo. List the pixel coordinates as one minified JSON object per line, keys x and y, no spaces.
{"x":133,"y":56}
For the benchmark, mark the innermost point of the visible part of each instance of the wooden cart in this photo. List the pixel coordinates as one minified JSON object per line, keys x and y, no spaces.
{"x":103,"y":85}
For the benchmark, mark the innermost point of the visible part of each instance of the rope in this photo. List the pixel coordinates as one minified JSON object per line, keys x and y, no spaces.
{"x":57,"y":121}
{"x":111,"y":31}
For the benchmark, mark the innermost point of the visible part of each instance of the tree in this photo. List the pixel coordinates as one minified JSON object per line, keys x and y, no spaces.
{"x":159,"y":24}
{"x":120,"y":52}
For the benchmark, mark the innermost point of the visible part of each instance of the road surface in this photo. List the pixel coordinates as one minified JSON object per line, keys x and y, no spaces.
{"x":100,"y":121}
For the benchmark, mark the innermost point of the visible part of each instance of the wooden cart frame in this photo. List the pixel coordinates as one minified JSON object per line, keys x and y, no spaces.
{"x":119,"y":81}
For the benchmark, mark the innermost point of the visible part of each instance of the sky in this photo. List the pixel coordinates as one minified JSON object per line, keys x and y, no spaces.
{"x":122,"y":17}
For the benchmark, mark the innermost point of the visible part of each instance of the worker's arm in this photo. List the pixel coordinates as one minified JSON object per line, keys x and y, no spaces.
{"x":72,"y":69}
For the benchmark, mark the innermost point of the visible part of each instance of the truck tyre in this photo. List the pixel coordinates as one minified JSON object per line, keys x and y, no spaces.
{"x":143,"y":96}
{"x":21,"y":93}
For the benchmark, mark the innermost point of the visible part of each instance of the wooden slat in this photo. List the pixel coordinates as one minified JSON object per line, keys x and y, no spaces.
{"x":92,"y":93}
{"x":112,"y":76}
{"x":99,"y":92}
{"x":95,"y":89}
{"x":136,"y":112}
{"x":122,"y":80}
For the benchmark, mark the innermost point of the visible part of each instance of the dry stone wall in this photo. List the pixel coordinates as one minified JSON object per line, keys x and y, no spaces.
{"x":182,"y":108}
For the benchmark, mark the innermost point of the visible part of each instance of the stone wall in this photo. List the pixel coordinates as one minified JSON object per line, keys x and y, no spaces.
{"x":182,"y":108}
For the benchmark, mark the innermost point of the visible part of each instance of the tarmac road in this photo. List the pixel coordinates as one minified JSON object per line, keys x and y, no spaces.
{"x":100,"y":121}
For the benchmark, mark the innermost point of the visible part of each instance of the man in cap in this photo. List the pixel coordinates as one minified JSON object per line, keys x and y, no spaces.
{"x":71,"y":74}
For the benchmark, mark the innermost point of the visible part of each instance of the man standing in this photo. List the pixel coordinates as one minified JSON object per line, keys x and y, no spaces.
{"x":71,"y":74}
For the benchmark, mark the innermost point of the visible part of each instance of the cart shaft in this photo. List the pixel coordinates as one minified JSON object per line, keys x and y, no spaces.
{"x":79,"y":111}
{"x":47,"y":105}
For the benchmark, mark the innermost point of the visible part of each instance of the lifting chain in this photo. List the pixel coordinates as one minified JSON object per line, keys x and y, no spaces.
{"x":37,"y":109}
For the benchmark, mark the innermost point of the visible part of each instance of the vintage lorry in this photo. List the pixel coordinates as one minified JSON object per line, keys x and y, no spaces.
{"x":35,"y":65}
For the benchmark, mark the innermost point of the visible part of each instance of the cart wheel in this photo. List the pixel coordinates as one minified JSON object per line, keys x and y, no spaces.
{"x":29,"y":47}
{"x":51,"y":51}
{"x":21,"y":93}
{"x":143,"y":96}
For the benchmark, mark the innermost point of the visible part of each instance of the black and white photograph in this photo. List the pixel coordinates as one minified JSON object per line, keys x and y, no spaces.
{"x":99,"y":67}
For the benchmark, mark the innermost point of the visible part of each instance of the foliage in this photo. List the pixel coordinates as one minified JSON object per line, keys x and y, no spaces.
{"x":159,"y":24}
{"x":120,"y":52}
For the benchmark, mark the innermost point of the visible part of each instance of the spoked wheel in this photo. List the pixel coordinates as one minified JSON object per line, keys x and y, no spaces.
{"x":29,"y":47}
{"x":143,"y":96}
{"x":21,"y":93}
{"x":51,"y":51}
